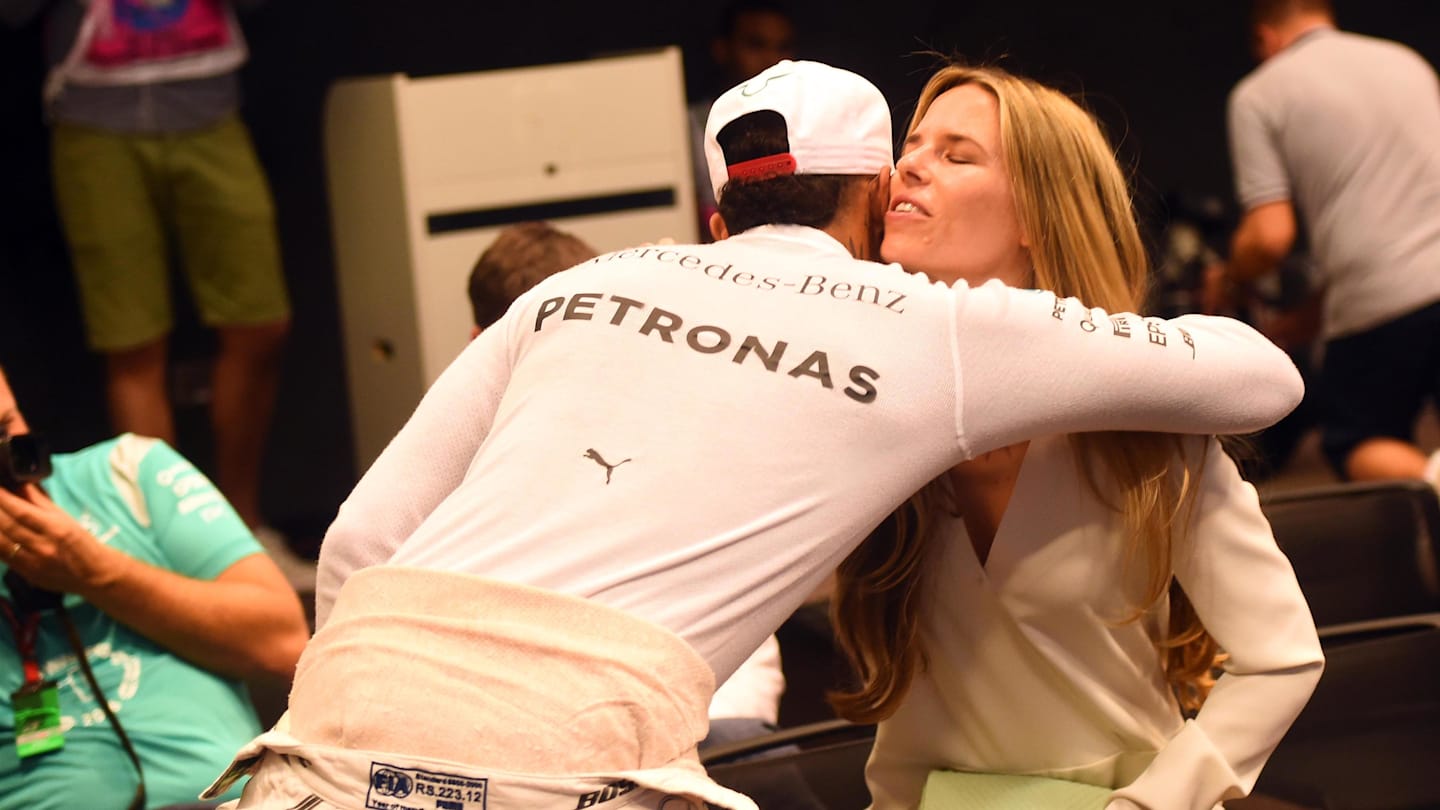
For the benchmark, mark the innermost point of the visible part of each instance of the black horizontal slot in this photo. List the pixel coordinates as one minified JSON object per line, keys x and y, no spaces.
{"x":558,"y":209}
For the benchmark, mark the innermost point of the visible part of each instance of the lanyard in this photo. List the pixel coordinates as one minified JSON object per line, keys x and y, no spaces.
{"x":25,"y":633}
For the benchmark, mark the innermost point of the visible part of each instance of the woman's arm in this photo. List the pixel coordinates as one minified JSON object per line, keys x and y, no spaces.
{"x":1246,"y":594}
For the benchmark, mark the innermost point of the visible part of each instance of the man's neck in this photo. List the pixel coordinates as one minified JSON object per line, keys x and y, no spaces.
{"x":856,"y":224}
{"x":854,"y":239}
{"x":1303,"y":24}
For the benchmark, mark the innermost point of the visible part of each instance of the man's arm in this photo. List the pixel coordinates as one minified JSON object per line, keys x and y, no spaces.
{"x":1028,"y":363}
{"x":1262,"y":185}
{"x":1262,"y":241}
{"x":421,"y":466}
{"x":246,"y":623}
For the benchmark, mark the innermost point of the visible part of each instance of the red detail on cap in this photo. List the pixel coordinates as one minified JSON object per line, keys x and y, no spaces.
{"x":763,"y":168}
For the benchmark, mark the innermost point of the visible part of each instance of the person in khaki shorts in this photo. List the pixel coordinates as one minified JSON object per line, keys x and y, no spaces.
{"x":152,"y":166}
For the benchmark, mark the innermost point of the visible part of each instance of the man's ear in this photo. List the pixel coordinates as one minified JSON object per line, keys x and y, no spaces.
{"x":475,"y":332}
{"x":718,"y":231}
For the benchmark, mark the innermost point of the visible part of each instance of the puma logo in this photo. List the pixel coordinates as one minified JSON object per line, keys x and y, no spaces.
{"x":594,"y":455}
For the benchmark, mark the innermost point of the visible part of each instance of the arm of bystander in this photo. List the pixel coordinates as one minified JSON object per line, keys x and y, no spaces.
{"x":242,"y":621}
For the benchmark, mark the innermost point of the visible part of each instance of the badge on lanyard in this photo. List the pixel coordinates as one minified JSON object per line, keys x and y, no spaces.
{"x":37,"y":719}
{"x":37,"y":702}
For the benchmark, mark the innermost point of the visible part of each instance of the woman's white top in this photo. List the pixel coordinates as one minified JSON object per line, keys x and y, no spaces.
{"x":1033,"y":671}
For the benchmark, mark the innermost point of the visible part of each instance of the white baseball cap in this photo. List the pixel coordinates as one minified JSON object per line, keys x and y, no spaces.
{"x":837,"y":123}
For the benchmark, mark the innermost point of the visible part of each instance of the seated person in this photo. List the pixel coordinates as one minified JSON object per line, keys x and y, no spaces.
{"x":747,"y":704}
{"x":174,"y":603}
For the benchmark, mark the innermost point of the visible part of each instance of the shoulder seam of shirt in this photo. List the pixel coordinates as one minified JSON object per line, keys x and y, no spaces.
{"x":125,"y":459}
{"x":957,"y":383}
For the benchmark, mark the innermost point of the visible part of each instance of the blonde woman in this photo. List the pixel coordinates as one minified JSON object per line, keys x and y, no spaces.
{"x":1053,"y":608}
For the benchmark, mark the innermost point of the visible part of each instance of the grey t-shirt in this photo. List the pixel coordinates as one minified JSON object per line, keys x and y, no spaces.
{"x":1347,"y":127}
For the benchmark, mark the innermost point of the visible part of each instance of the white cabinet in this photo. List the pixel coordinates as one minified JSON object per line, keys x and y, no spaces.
{"x":423,"y":173}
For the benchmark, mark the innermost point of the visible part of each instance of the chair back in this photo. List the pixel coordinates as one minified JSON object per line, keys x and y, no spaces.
{"x":1365,"y":556}
{"x":818,"y":766}
{"x":1361,"y":551}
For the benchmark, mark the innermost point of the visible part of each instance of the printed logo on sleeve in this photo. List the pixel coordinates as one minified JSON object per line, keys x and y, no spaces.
{"x":396,"y":788}
{"x":1121,"y":325}
{"x":192,"y":490}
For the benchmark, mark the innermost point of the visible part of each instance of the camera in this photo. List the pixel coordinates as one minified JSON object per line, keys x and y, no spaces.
{"x":24,"y":458}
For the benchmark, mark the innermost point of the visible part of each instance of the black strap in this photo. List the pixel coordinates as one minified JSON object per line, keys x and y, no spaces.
{"x":138,"y":803}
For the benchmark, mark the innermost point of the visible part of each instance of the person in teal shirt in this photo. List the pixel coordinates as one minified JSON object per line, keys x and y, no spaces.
{"x":175,"y":604}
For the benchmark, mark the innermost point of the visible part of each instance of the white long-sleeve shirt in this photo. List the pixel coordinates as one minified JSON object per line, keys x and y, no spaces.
{"x":754,"y":689}
{"x":697,"y":435}
{"x":1033,"y":671}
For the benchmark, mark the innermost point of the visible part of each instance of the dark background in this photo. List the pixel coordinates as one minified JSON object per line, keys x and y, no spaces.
{"x":1157,"y":74}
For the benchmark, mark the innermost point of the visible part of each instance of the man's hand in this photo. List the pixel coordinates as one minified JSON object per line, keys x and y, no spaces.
{"x":49,"y":548}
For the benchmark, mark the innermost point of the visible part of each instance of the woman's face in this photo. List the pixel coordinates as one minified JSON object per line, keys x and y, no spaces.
{"x":952,"y":211}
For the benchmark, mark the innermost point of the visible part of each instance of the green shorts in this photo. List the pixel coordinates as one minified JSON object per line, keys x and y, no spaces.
{"x":127,"y":200}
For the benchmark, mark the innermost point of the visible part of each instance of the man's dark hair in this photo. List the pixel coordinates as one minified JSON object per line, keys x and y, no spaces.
{"x":520,"y":257}
{"x":731,"y":14}
{"x":812,"y":200}
{"x":1269,"y":12}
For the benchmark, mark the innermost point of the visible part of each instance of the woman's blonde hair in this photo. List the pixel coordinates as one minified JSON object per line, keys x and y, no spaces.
{"x":1074,"y":204}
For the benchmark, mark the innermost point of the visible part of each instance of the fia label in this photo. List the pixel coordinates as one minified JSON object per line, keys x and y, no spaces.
{"x":396,"y":788}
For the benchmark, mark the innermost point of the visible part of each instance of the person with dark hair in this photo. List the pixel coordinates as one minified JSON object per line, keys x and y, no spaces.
{"x":721,"y":424}
{"x":134,"y":603}
{"x":520,"y":257}
{"x":752,"y":36}
{"x":1341,"y":130}
{"x":842,"y":203}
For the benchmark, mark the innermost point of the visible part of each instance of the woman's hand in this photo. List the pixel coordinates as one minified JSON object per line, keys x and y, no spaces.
{"x":50,"y":549}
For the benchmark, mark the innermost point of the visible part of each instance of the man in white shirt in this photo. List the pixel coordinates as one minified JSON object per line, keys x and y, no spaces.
{"x":747,"y":703}
{"x":722,"y":424}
